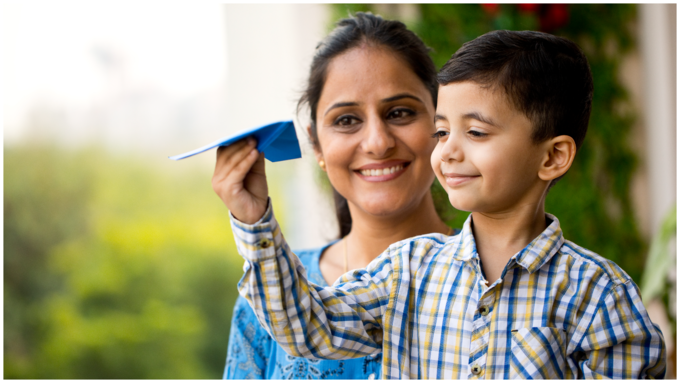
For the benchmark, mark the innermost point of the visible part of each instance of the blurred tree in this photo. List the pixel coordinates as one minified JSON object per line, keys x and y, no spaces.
{"x":113,"y":269}
{"x":29,"y":234}
{"x":593,"y":200}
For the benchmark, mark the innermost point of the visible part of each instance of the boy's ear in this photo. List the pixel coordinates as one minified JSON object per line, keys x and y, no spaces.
{"x":559,"y":155}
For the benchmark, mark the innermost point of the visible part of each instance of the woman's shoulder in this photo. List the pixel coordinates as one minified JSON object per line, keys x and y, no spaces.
{"x":311,"y":256}
{"x":310,"y":260}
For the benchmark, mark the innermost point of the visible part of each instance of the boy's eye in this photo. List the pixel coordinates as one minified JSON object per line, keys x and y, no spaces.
{"x":476,"y":133}
{"x":439,"y":134}
{"x":346,"y":120}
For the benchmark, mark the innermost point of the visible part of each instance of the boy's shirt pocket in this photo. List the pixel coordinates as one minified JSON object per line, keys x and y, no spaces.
{"x":538,"y":352}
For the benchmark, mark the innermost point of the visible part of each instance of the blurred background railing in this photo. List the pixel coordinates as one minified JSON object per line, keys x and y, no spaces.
{"x":119,"y":263}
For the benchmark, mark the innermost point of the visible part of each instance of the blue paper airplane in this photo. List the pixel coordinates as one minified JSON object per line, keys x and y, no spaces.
{"x":278,"y":141}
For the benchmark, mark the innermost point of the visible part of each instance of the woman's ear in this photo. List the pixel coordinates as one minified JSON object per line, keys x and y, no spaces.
{"x":317,"y":153}
{"x":559,"y":155}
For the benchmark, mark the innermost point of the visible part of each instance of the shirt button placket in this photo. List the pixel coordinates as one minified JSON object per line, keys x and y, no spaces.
{"x":476,"y":370}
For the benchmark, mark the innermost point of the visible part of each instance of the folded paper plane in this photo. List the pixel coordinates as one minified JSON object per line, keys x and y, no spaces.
{"x":278,"y":141}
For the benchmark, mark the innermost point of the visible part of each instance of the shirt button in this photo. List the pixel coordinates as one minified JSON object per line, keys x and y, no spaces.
{"x":484,"y":310}
{"x":371,"y":377}
{"x":476,"y":370}
{"x":264,"y":243}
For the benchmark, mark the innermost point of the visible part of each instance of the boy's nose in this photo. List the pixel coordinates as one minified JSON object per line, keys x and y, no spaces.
{"x":378,"y":139}
{"x":451,"y":150}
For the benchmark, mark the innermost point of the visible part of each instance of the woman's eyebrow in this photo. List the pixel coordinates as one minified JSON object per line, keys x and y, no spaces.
{"x":400,"y":96}
{"x":384,"y":100}
{"x":340,"y":105}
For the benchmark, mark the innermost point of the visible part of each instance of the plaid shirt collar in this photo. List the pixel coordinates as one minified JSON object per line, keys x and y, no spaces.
{"x":532,"y":257}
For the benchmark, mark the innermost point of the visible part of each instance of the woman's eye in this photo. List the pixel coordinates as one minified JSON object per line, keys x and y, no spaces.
{"x":346,"y":120}
{"x":439,"y":134}
{"x":400,"y":113}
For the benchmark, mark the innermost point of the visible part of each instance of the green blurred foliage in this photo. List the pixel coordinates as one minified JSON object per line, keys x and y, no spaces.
{"x":114,"y":268}
{"x":593,"y":200}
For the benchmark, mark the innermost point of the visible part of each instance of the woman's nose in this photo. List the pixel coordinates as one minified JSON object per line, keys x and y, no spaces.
{"x":378,"y":139}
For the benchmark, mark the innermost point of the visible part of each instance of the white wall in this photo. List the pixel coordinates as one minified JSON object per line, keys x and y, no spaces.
{"x":658,"y":46}
{"x":269,"y":50}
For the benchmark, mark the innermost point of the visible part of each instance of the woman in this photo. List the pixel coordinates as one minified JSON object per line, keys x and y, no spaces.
{"x":371,"y":93}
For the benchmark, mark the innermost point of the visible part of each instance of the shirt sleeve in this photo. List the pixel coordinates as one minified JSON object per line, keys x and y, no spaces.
{"x":622,"y":342}
{"x":249,"y":345}
{"x":338,"y":322}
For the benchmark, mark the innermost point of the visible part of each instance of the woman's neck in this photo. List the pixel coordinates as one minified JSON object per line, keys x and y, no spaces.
{"x":371,"y":234}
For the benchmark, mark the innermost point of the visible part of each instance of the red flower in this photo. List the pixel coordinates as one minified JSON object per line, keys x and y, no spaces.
{"x":554,"y":17}
{"x":491,"y":9}
{"x":528,"y":8}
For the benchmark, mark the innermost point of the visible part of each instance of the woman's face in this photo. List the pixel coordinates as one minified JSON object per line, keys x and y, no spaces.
{"x":375,"y":121}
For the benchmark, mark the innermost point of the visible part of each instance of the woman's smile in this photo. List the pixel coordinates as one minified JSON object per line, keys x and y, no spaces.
{"x":380,"y":172}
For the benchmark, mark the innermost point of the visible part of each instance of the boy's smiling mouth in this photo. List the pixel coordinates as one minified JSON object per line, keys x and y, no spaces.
{"x":382,"y":171}
{"x":455,"y":179}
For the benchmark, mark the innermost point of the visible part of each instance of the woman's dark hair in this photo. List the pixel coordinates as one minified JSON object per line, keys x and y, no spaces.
{"x":350,"y":33}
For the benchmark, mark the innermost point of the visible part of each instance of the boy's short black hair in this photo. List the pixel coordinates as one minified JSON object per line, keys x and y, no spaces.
{"x":544,"y":76}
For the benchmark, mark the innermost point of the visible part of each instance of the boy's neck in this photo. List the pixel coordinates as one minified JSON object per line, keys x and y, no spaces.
{"x":500,"y":236}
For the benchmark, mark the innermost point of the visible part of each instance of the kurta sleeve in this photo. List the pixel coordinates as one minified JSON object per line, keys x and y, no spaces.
{"x":249,"y":345}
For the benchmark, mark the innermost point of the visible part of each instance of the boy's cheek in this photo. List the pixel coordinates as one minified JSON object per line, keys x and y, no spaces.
{"x":435,"y":160}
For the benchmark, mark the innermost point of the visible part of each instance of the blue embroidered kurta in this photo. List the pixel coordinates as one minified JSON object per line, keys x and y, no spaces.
{"x":253,"y":354}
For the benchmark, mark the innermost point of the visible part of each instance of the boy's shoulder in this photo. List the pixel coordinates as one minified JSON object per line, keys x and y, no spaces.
{"x":587,"y":264}
{"x":425,"y":248}
{"x":436,"y":240}
{"x":576,"y":257}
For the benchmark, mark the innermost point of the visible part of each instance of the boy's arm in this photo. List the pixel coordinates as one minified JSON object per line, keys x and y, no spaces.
{"x":622,"y":342}
{"x":338,"y":322}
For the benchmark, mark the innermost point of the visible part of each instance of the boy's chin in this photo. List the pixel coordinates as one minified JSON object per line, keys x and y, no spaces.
{"x":459,"y":205}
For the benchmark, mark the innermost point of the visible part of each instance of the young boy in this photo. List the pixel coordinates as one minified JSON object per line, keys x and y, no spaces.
{"x":508,"y":297}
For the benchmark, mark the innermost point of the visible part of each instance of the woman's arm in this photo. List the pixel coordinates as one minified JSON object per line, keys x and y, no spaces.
{"x":338,"y":322}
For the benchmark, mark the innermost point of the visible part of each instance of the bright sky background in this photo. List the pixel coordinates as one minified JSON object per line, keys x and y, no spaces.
{"x":70,"y":53}
{"x":153,"y":78}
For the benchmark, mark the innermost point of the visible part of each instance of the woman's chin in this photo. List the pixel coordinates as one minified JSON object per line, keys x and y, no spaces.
{"x":385,"y":207}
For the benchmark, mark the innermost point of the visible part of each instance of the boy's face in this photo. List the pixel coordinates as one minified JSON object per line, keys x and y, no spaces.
{"x":485,"y":158}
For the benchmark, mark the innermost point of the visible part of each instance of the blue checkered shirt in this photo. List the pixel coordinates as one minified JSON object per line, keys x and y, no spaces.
{"x":557,"y":311}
